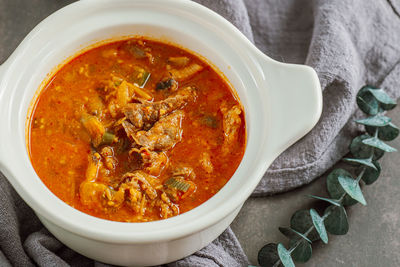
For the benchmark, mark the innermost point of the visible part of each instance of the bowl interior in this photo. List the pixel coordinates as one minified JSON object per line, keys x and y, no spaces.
{"x":89,"y":23}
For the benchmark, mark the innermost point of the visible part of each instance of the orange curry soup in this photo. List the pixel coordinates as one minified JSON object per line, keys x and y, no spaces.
{"x":136,"y":131}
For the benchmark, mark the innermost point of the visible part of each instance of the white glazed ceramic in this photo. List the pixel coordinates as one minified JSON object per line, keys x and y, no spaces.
{"x":282,"y":103}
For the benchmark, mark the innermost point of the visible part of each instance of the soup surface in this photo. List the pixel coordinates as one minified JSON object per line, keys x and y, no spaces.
{"x":136,"y":131}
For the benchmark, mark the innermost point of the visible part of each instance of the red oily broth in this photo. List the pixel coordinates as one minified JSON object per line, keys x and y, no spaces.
{"x":136,"y":130}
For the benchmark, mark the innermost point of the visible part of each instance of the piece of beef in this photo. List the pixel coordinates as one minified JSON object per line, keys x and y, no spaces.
{"x":163,"y":135}
{"x":144,"y":115}
{"x":139,"y":187}
{"x":152,"y":162}
{"x":231,"y":124}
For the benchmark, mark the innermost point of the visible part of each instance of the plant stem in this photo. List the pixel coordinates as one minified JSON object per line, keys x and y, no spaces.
{"x":361,"y":174}
{"x":298,"y":242}
{"x":342,"y":197}
{"x":376,"y":133}
{"x":340,"y":200}
{"x":277,"y":263}
{"x":295,"y":246}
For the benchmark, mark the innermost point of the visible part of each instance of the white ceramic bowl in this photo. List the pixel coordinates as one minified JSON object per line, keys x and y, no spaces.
{"x":282,"y":103}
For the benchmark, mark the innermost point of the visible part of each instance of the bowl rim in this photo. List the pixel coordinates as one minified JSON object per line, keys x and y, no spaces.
{"x":162,"y":230}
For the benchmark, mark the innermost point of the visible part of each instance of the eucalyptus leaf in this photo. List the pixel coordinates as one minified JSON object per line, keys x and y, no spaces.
{"x":386,"y":133}
{"x":268,"y":255}
{"x":371,"y":175}
{"x":284,"y":256}
{"x":308,"y":225}
{"x":352,"y":188}
{"x":386,"y":102}
{"x":367,"y":102}
{"x":377,"y":121}
{"x":301,"y":222}
{"x":365,"y":162}
{"x":377,"y":143}
{"x":303,"y":251}
{"x":334,"y":188}
{"x":293,"y":234}
{"x":361,"y":150}
{"x":332,"y":201}
{"x":336,"y":223}
{"x":319,"y":225}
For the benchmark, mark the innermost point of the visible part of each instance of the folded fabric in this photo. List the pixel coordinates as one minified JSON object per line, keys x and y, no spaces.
{"x":349,"y":43}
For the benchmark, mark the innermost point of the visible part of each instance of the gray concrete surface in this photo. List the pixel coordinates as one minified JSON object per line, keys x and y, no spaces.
{"x":374,"y":235}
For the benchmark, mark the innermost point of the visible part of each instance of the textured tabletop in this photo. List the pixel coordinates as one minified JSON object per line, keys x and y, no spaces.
{"x":374,"y":235}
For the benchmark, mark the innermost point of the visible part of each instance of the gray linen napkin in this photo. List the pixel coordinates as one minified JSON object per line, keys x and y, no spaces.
{"x":348,"y":42}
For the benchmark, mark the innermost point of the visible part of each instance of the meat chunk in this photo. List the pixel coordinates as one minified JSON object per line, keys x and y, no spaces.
{"x":146,"y":181}
{"x":205,"y":162}
{"x":143,"y":116}
{"x":231,"y":124}
{"x":95,"y":194}
{"x":164,"y":134}
{"x":167,"y":83}
{"x":94,"y":127}
{"x":140,"y":188}
{"x":186,"y":72}
{"x":100,"y":196}
{"x":168,"y":209}
{"x":129,"y":129}
{"x":124,"y":94}
{"x":91,"y":192}
{"x":110,"y":161}
{"x":154,"y":162}
{"x":94,"y":164}
{"x":150,"y":161}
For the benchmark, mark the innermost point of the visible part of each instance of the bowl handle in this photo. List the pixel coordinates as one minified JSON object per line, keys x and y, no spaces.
{"x":295,"y":99}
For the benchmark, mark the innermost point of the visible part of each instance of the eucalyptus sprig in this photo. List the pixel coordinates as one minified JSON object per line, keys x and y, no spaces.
{"x":308,"y":226}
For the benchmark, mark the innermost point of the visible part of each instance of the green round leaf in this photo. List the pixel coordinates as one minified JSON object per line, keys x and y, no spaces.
{"x":293,"y":234}
{"x":385,"y":101}
{"x":352,"y":188}
{"x":336,"y":223}
{"x":377,"y":121}
{"x":287,"y":232}
{"x":365,"y":162}
{"x":268,"y":255}
{"x":367,"y":102}
{"x":361,"y":150}
{"x":335,"y":190}
{"x":303,"y":251}
{"x":377,"y":143}
{"x":285,"y":257}
{"x":331,"y":201}
{"x":301,"y":222}
{"x":371,"y":175}
{"x":319,"y":225}
{"x":386,"y":133}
